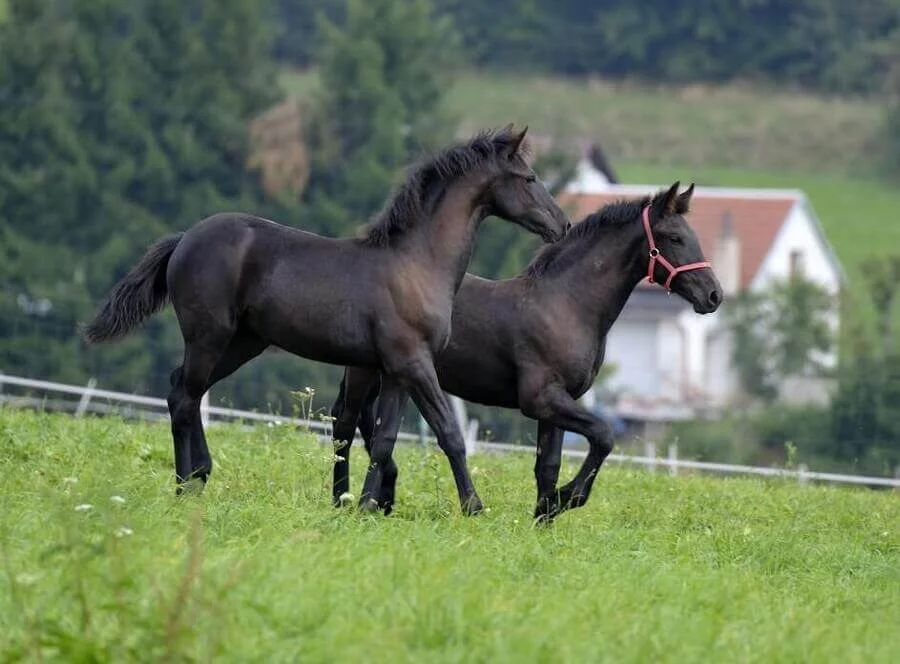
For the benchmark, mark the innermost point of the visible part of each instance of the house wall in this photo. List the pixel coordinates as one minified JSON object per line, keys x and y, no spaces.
{"x":633,"y":347}
{"x":800,"y":234}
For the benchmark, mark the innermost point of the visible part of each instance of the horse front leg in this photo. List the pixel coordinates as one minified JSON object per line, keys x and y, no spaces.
{"x":391,"y":400}
{"x":547,"y":461}
{"x":435,"y":407}
{"x":555,"y":406}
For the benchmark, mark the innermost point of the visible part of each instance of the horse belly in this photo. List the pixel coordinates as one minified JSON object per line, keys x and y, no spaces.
{"x":323,"y":332}
{"x":484,"y":380}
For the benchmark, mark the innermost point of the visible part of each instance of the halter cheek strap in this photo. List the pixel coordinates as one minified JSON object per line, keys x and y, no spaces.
{"x":656,"y":257}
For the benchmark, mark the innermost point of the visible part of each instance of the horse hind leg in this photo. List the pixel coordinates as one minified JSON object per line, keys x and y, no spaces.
{"x":242,"y":348}
{"x":345,"y":412}
{"x":189,"y":384}
{"x":367,"y":424}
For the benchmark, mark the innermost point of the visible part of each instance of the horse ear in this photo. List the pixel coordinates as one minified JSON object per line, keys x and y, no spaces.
{"x":664,"y":203}
{"x":516,"y":144}
{"x":683,"y":201}
{"x":508,"y":128}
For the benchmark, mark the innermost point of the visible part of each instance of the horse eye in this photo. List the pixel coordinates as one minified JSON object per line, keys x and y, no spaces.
{"x":530,"y":179}
{"x":676,"y":239}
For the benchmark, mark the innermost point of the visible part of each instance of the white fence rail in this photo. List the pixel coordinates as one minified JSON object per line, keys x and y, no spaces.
{"x":91,"y":399}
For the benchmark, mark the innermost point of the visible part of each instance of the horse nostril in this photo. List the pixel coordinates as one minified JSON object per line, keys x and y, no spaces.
{"x":715,"y":298}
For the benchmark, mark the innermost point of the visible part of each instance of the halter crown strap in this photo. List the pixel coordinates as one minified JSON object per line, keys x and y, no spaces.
{"x":655,"y":256}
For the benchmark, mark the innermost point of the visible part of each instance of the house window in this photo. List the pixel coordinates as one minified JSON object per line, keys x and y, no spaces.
{"x":796,"y":263}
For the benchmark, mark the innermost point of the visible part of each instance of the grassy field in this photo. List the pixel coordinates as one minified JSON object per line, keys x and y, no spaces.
{"x":725,"y":126}
{"x":101,"y":563}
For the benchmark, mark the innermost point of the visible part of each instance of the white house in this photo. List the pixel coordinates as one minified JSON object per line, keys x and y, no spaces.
{"x":671,"y":362}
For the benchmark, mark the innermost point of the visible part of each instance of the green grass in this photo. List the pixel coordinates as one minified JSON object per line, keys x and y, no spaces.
{"x":261,"y":569}
{"x":733,"y":126}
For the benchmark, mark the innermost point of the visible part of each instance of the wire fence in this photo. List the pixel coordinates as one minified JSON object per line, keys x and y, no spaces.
{"x":82,"y":399}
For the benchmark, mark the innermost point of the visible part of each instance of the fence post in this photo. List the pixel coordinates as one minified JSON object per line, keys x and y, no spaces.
{"x":85,"y":397}
{"x":802,"y":471}
{"x":471,"y":437}
{"x":462,"y":421}
{"x":673,"y":459}
{"x":650,"y":453}
{"x":423,"y":430}
{"x":204,"y":409}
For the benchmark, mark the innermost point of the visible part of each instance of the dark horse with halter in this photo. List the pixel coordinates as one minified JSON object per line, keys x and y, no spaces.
{"x":536,"y":342}
{"x":239,"y":284}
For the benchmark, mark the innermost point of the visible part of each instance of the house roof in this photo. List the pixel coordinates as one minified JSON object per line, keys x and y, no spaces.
{"x":756,"y":217}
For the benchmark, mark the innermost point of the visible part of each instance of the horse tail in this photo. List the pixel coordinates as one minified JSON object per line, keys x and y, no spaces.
{"x":138,"y":295}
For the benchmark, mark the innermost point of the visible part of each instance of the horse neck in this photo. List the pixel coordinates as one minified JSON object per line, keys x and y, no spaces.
{"x":448,"y":235}
{"x":601,"y":282}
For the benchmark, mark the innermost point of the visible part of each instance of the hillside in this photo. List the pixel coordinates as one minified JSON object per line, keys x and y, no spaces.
{"x":737,"y":136}
{"x":102,"y":563}
{"x":732,"y":126}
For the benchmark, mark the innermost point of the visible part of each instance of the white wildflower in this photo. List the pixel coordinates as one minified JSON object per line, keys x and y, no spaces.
{"x":26,"y":579}
{"x":84,"y":507}
{"x":70,"y":480}
{"x":124,"y":531}
{"x":271,"y":425}
{"x":117,"y":499}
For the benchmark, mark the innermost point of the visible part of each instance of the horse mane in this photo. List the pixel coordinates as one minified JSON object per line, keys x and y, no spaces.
{"x":425,"y":181}
{"x":555,"y":258}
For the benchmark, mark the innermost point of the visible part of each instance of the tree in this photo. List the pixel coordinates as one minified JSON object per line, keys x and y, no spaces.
{"x":118,"y":123}
{"x":891,"y":130}
{"x":383,"y":75}
{"x":866,"y":408}
{"x":780,"y":332}
{"x":295,"y":41}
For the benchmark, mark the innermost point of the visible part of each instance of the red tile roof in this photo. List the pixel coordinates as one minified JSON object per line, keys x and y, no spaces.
{"x":755,"y":220}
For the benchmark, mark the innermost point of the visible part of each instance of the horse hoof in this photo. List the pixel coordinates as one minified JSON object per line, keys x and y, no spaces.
{"x":369,"y":506}
{"x":546,"y":511}
{"x":543,"y":519}
{"x":344,"y":500}
{"x":192,"y":487}
{"x":473,"y":506}
{"x":387,"y":508}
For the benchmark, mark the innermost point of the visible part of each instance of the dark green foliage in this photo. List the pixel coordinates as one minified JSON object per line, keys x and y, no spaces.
{"x":119,"y":122}
{"x":779,"y":333}
{"x":383,"y":74}
{"x":824,"y":44}
{"x":295,"y":26}
{"x":859,"y":430}
{"x":892,"y":112}
{"x":865,"y":415}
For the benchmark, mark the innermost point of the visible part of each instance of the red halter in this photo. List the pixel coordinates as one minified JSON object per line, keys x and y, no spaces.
{"x":656,"y":256}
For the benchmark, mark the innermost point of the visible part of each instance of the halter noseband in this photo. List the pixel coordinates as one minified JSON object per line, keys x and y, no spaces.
{"x":656,"y":256}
